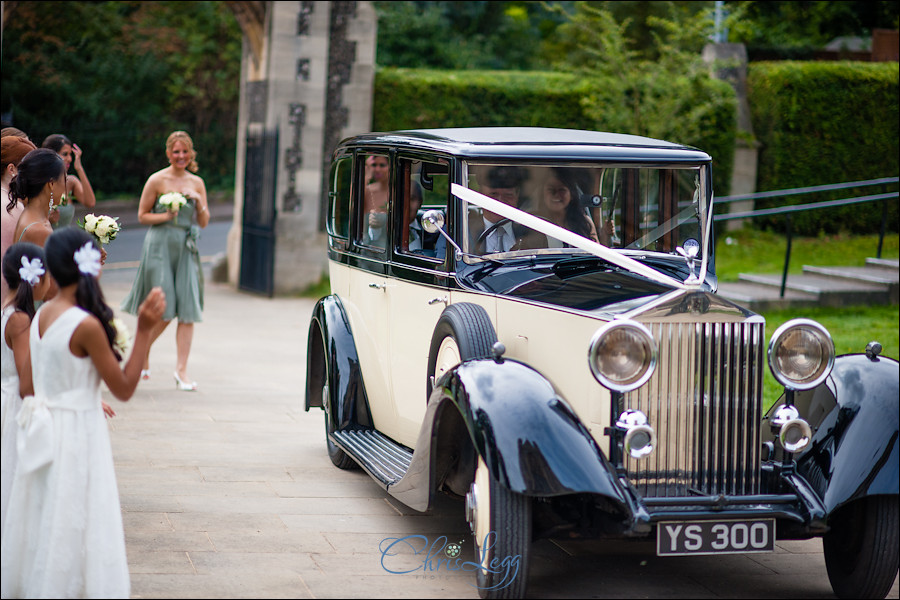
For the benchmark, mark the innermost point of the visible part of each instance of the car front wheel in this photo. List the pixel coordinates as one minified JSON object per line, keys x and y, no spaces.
{"x":500,"y":521}
{"x":463,"y":332}
{"x":861,"y":548}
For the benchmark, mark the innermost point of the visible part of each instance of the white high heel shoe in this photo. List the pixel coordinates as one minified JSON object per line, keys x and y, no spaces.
{"x":184,"y":386}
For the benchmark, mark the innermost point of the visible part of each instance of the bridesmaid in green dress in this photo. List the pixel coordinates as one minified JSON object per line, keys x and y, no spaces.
{"x":78,"y":187}
{"x":170,"y":258}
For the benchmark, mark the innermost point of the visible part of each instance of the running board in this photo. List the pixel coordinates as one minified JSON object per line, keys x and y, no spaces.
{"x":384,"y":459}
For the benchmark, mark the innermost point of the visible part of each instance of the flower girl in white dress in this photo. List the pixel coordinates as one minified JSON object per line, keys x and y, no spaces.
{"x":23,"y":267}
{"x":67,"y":540}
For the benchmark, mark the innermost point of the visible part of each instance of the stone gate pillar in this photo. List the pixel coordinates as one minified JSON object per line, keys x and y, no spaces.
{"x":306,"y":83}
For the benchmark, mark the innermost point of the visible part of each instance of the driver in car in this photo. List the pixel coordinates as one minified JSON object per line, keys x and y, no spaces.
{"x":488,"y":231}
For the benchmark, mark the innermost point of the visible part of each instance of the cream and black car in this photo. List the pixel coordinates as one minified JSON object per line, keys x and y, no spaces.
{"x":527,"y":319}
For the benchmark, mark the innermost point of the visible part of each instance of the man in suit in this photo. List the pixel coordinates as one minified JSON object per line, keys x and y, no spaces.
{"x":488,"y":231}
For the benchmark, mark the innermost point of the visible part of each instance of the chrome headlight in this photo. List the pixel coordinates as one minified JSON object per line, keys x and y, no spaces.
{"x":622,"y":355}
{"x":801,"y":354}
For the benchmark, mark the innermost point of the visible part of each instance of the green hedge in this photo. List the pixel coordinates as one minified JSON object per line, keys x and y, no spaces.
{"x":419,"y":98}
{"x":821,"y":123}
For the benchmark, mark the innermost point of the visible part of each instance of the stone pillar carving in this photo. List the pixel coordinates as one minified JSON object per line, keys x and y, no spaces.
{"x":297,"y":84}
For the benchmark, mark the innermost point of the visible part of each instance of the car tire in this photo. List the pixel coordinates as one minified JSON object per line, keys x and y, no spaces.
{"x":495,"y":511}
{"x":861,"y":548}
{"x":338,"y":457}
{"x":463,"y":332}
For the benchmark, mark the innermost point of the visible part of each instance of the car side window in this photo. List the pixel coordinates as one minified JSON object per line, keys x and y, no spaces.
{"x":424,"y":186}
{"x":338,"y":220}
{"x":373,"y":228}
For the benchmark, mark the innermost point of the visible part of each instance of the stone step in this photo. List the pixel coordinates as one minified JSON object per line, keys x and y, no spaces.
{"x":761,"y":298}
{"x":868,"y":274}
{"x":832,"y":291}
{"x":884,"y":263}
{"x":877,"y":275}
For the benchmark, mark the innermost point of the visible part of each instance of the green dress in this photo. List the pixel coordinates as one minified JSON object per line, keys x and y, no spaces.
{"x":66,"y":215}
{"x":170,"y":260}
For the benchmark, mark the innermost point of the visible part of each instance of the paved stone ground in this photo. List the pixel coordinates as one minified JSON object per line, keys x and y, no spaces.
{"x":228,"y":492}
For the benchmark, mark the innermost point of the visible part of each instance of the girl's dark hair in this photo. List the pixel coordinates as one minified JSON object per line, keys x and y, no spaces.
{"x":12,"y":261}
{"x":60,"y":249}
{"x":56,"y":142}
{"x":37,"y":169}
{"x":576,"y":220}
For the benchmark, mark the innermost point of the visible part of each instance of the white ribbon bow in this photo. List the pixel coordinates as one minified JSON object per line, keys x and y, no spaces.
{"x":34,"y":442}
{"x":88,"y":259}
{"x":31,"y":272}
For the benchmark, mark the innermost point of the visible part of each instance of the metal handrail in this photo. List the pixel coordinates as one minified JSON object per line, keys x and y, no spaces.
{"x":789,"y":210}
{"x":808,"y":190}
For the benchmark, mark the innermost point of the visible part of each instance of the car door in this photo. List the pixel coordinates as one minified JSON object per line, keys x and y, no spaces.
{"x":418,"y":289}
{"x":367,"y":285}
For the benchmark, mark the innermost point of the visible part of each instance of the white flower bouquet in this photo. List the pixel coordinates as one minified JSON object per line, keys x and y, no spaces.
{"x":103,"y":228}
{"x":173,"y":201}
{"x":123,"y":339}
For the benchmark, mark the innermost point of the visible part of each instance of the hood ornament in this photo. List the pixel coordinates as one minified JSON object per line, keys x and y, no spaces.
{"x":689,"y":251}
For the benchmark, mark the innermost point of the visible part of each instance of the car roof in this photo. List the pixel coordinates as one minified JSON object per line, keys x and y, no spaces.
{"x":532,"y":143}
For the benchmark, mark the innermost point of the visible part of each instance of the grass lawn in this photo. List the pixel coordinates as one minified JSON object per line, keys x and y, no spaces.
{"x":751,"y":251}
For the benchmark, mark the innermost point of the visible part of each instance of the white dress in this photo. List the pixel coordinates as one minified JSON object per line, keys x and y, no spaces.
{"x":66,"y":540}
{"x":11,"y":402}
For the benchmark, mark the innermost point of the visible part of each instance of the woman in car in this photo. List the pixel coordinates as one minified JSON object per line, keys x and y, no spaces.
{"x":561,"y":205}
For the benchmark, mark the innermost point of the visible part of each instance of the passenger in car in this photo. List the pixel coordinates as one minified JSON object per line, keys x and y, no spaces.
{"x":376,"y":200}
{"x":560,"y":204}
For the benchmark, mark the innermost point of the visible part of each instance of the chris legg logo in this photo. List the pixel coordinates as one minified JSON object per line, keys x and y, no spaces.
{"x":416,"y":553}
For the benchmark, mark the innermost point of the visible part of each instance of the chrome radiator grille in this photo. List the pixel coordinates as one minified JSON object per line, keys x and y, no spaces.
{"x":705,"y":403}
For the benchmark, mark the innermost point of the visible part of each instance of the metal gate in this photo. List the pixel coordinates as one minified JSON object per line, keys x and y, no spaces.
{"x":258,"y":229}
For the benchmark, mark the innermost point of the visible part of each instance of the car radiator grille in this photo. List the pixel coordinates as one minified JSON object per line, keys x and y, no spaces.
{"x":705,"y":403}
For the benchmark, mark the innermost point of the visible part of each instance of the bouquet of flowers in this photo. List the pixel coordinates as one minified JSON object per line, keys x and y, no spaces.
{"x":173,"y":201}
{"x":103,"y":228}
{"x":123,"y":340}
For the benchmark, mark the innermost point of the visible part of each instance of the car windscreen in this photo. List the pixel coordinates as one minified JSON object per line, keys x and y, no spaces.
{"x":630,"y":208}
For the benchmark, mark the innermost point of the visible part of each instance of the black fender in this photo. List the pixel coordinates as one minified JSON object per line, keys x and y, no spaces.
{"x":854,"y":417}
{"x":529,"y":437}
{"x":331,"y":358}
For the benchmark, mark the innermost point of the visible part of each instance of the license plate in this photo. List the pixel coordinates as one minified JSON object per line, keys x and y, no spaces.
{"x":679,"y":538}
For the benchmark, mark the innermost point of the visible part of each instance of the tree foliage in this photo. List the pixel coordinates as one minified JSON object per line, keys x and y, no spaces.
{"x":464,"y":35}
{"x":809,"y":24}
{"x":667,"y":93}
{"x":118,"y":77}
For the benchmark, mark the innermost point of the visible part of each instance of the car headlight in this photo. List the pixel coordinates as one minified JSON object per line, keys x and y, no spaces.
{"x":622,"y":355}
{"x":801,"y":354}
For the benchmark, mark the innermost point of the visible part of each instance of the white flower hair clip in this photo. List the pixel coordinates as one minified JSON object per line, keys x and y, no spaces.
{"x":88,"y":259}
{"x":31,"y":271}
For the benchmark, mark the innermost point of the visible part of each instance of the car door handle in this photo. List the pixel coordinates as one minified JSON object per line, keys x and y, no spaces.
{"x":377,"y":286}
{"x":438,"y":300}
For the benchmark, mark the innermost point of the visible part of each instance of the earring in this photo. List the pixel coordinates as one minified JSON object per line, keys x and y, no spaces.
{"x":51,"y":199}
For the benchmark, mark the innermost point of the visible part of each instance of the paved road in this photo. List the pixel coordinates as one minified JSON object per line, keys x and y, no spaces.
{"x":228,"y":492}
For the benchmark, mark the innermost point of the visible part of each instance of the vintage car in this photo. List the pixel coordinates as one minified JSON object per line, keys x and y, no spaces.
{"x":527,"y":319}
